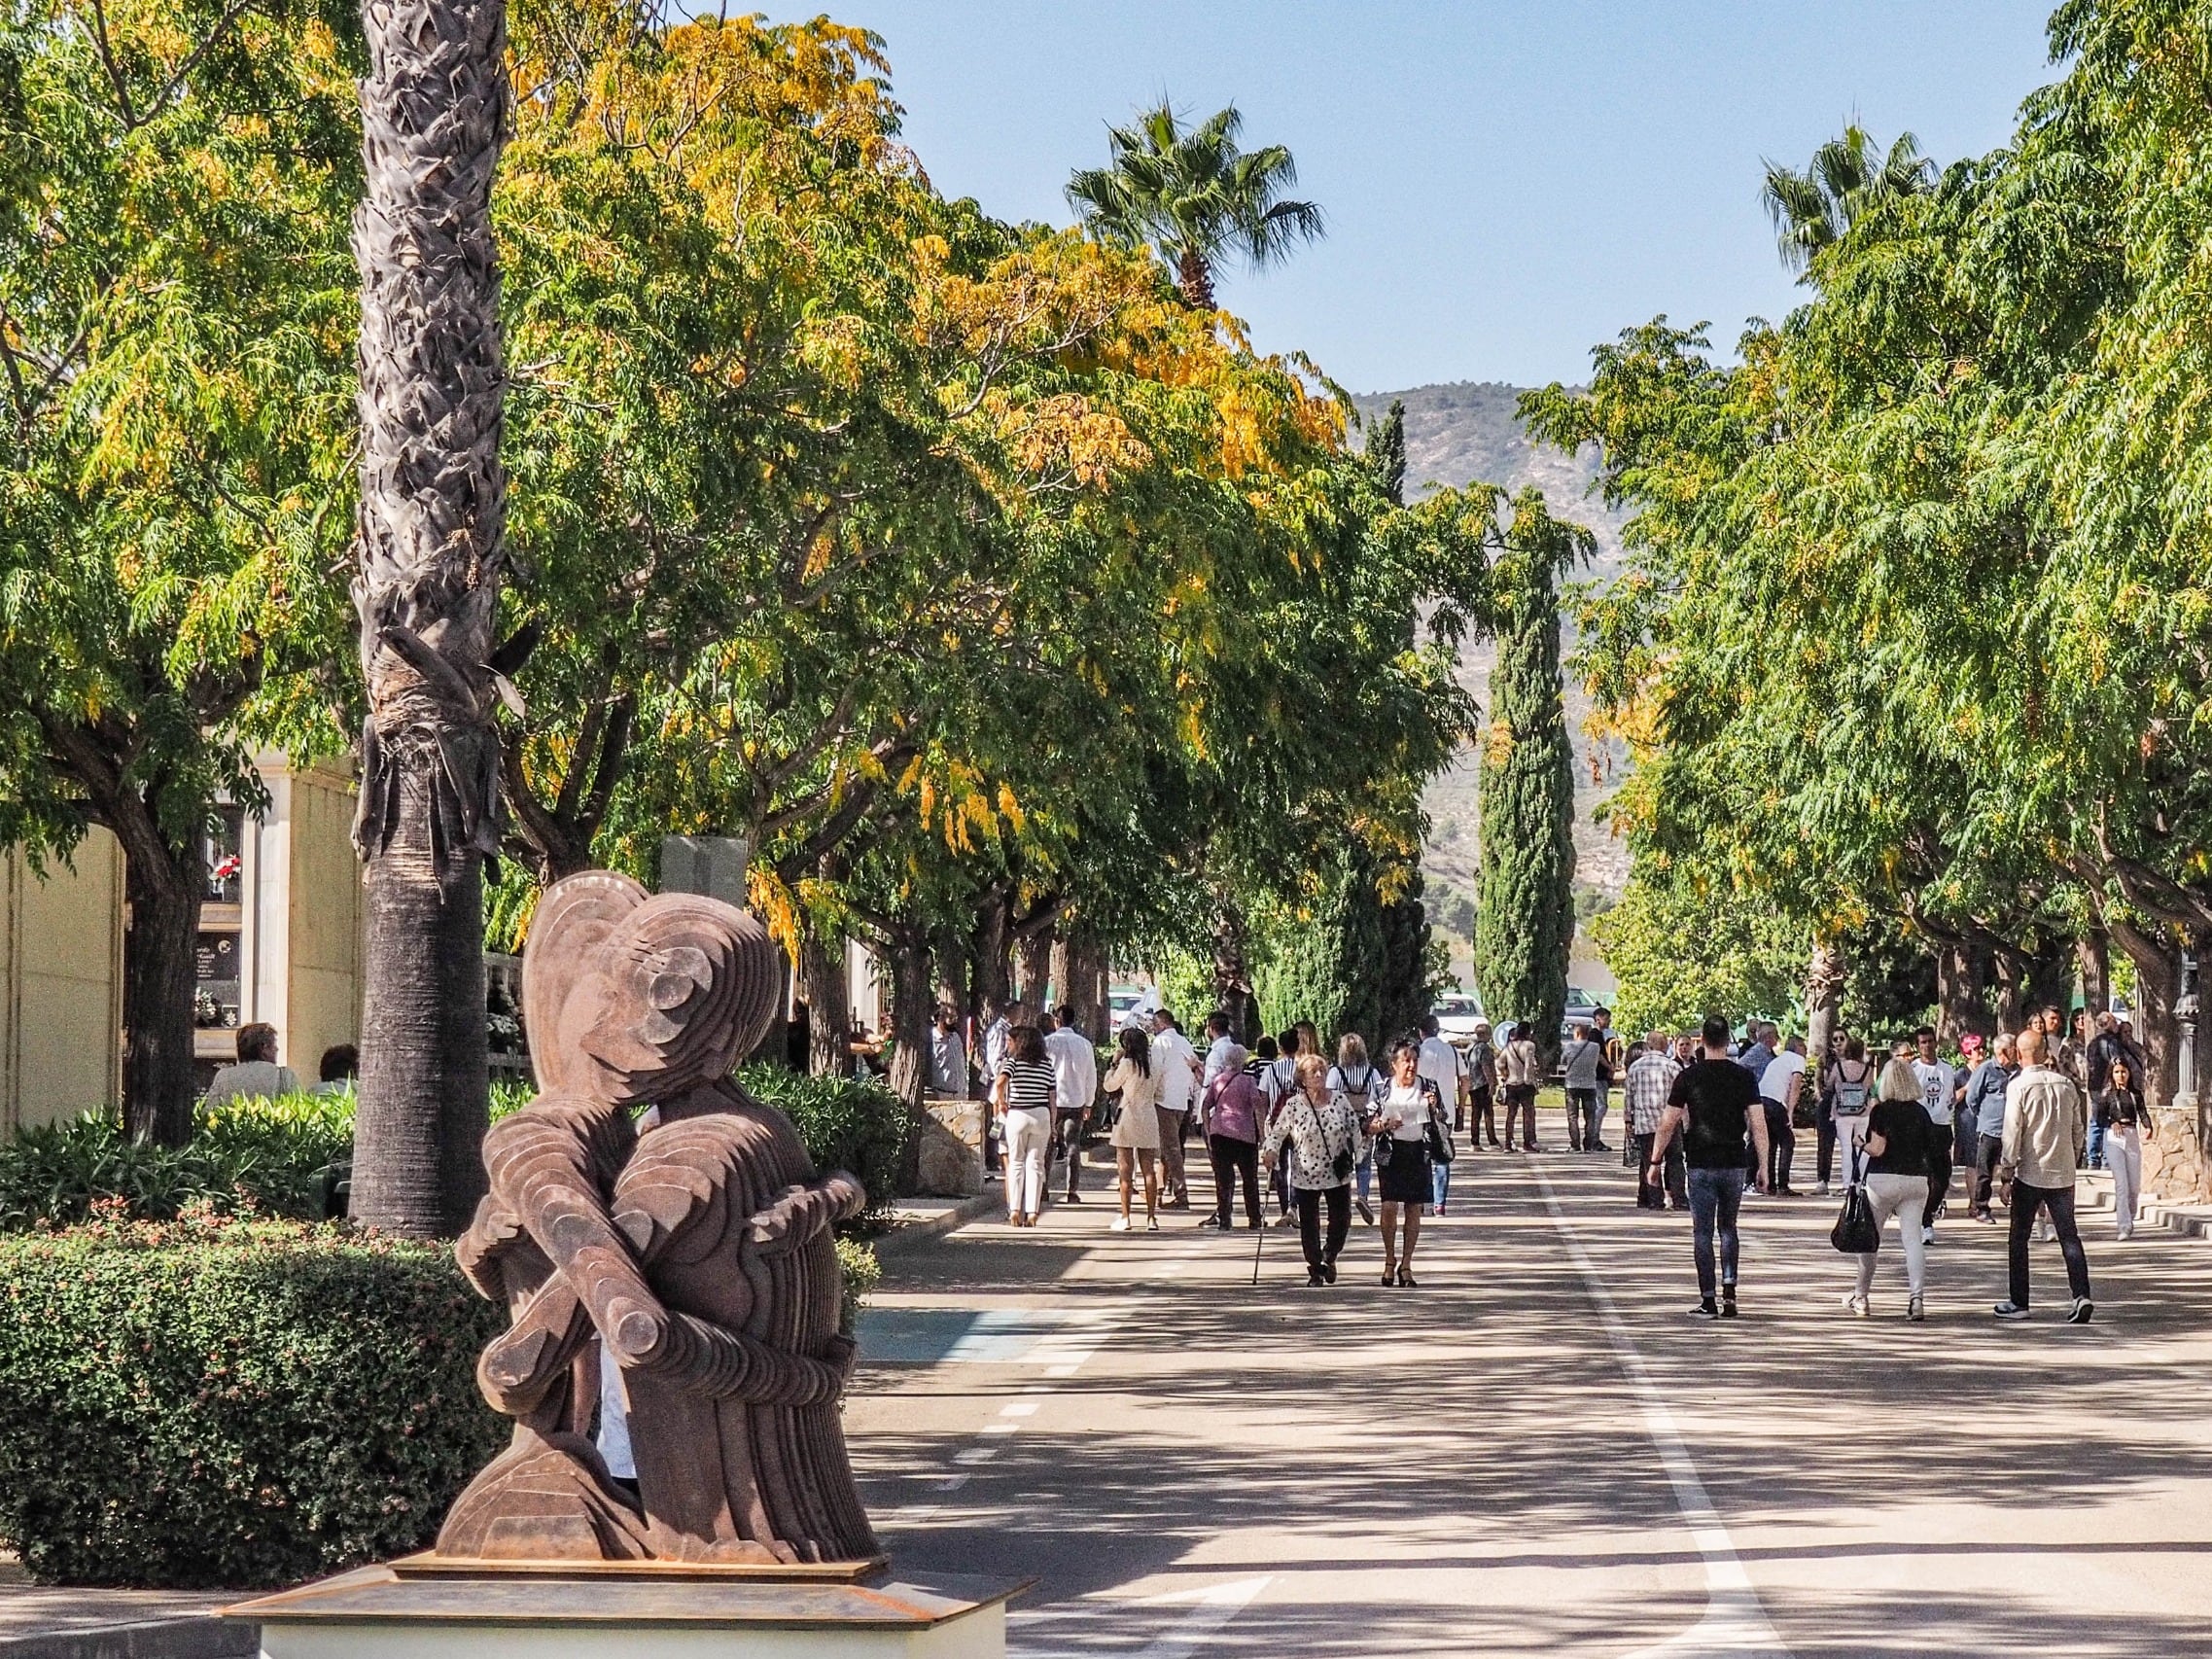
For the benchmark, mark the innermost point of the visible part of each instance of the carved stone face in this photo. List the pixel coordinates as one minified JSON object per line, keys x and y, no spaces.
{"x":631,"y":997}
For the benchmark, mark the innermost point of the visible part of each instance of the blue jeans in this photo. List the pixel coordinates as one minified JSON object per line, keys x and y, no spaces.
{"x":1715,"y":1196}
{"x":1439,"y":1180}
{"x":2097,"y":1145}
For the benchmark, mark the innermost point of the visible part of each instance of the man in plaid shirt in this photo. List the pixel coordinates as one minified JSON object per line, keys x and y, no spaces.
{"x":1651,"y":1074}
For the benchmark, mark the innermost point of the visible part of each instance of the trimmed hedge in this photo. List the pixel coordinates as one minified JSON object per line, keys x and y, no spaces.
{"x":238,"y":1403}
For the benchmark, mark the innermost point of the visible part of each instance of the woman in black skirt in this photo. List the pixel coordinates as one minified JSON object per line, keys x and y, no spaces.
{"x":1399,"y":1120}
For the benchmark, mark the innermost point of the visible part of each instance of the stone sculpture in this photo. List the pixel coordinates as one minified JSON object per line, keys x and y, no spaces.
{"x":700,"y":1254}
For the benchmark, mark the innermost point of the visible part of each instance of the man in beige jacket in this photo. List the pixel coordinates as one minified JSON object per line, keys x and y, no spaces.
{"x":2044,"y":1142}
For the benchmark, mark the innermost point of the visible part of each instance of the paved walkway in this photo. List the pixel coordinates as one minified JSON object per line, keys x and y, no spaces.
{"x":1537,"y":1451}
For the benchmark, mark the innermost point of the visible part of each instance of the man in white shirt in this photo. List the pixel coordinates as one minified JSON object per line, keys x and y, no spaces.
{"x":1176,"y":1064}
{"x":1076,"y":1087}
{"x":257,"y":1072}
{"x":1441,"y":1065}
{"x":1939,"y":1094}
{"x":948,"y":1057}
{"x":1779,"y":1085}
{"x":1219,"y":1045}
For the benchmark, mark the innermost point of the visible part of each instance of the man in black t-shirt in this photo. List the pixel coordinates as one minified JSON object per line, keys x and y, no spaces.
{"x":1714,"y":1107}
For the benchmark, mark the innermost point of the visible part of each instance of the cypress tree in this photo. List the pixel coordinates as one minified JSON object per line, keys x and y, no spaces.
{"x":1387,"y":452}
{"x":1526,"y":919}
{"x":1408,"y":989}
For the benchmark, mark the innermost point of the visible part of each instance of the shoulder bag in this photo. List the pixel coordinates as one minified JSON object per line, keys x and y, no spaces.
{"x":1434,"y":1130}
{"x":1855,"y":1232}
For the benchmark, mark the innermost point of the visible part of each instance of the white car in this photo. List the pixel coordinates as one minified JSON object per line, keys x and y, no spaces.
{"x":1457,"y":1015}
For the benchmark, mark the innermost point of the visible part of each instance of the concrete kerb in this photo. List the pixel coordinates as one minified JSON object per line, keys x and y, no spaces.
{"x":2092,"y":1192}
{"x":197,"y":1635}
{"x":916,"y":1221}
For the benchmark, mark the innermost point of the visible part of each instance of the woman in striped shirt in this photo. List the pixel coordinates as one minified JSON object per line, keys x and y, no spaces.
{"x":1025,"y":1090}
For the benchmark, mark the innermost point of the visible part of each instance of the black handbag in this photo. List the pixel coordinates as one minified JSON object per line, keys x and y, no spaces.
{"x":1856,"y":1232}
{"x":1439,"y":1141}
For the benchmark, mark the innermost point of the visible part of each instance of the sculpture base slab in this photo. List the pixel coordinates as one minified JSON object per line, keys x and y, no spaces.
{"x":644,"y":1610}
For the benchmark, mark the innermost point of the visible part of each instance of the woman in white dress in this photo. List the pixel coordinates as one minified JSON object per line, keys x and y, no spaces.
{"x":1135,"y":1136}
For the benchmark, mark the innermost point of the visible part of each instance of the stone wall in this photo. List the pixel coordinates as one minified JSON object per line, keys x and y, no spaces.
{"x":2173,"y":1156}
{"x":951,"y":1149}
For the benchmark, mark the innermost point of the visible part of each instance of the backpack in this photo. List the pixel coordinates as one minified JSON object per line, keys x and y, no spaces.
{"x":1852,"y":1097}
{"x":1358,"y":1094}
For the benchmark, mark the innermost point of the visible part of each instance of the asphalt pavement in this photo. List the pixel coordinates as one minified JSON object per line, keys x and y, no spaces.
{"x":1537,"y":1450}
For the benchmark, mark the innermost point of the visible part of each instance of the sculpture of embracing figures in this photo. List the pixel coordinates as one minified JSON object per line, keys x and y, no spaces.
{"x":699,"y":1254}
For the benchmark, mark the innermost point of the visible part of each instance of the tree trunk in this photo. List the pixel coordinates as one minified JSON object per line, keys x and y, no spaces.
{"x":432,"y":547}
{"x":913,"y":1009}
{"x":425,"y":1093}
{"x":2050,"y":977}
{"x":158,"y":978}
{"x":1824,"y":976}
{"x":1078,"y":976}
{"x":1194,"y":280}
{"x":989,"y":990}
{"x":824,"y":986}
{"x":1033,"y":956}
{"x":2093,"y":957}
{"x":1961,"y":972}
{"x":2158,"y":983}
{"x":775,"y":1046}
{"x":1232,"y":973}
{"x":948,"y":957}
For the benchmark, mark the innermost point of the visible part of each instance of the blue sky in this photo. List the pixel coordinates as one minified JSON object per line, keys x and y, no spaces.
{"x":1507,"y":182}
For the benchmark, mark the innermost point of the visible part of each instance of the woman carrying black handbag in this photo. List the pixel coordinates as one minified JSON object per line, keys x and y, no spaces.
{"x":1401,"y":1113}
{"x":1899,"y":1141}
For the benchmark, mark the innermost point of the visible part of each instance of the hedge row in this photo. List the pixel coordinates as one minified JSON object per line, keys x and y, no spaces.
{"x":280,"y":1157}
{"x":215,"y":1401}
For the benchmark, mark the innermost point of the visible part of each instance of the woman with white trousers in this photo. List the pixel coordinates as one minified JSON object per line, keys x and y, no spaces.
{"x":1898,"y":1146}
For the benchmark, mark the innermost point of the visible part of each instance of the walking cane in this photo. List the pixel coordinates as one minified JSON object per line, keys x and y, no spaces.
{"x":1258,"y":1244}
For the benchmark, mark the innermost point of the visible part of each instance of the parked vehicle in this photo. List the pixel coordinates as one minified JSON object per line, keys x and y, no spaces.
{"x":1457,"y":1014}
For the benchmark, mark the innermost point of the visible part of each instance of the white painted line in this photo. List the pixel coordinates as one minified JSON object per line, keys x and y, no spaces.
{"x":1217,"y":1605}
{"x":1062,"y":1371}
{"x":977,"y":1455}
{"x":1019,"y":1409}
{"x":1734,"y":1622}
{"x":951,"y":1482}
{"x":999,"y":1428}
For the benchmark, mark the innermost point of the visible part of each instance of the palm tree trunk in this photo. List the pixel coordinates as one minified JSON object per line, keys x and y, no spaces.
{"x":1194,"y":280}
{"x":432,"y":548}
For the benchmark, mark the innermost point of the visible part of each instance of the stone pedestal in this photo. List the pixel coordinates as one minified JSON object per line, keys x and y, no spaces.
{"x":423,"y":1608}
{"x":951,"y":1149}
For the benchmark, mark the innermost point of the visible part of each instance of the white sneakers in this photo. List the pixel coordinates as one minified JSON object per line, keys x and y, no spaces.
{"x":1857,"y":1304}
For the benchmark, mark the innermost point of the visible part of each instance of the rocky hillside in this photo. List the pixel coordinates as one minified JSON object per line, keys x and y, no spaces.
{"x":1466,"y":433}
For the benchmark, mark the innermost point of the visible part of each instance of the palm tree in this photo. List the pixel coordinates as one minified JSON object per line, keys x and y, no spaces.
{"x":1195,"y":196}
{"x":432,"y":551}
{"x":1849,"y":175}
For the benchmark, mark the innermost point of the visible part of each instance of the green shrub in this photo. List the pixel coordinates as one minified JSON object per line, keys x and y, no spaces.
{"x":245,"y":1156}
{"x":270,"y":1156}
{"x":862,"y":1274}
{"x":846,"y":1125}
{"x":216,"y":1401}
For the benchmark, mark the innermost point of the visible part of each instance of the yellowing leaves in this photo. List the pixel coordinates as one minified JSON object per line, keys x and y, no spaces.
{"x":1069,"y":437}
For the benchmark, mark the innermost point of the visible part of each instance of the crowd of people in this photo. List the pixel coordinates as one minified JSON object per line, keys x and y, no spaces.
{"x":1708,"y":1119}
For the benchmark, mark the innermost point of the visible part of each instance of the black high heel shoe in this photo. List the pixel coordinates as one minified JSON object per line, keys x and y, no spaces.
{"x":1405,"y":1279}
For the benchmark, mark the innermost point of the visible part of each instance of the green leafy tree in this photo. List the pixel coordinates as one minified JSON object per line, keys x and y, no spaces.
{"x":1195,"y":196}
{"x":174,"y":305}
{"x":1525,"y":915}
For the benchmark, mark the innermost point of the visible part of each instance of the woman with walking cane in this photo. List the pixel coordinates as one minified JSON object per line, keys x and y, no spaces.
{"x":1323,"y":1136}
